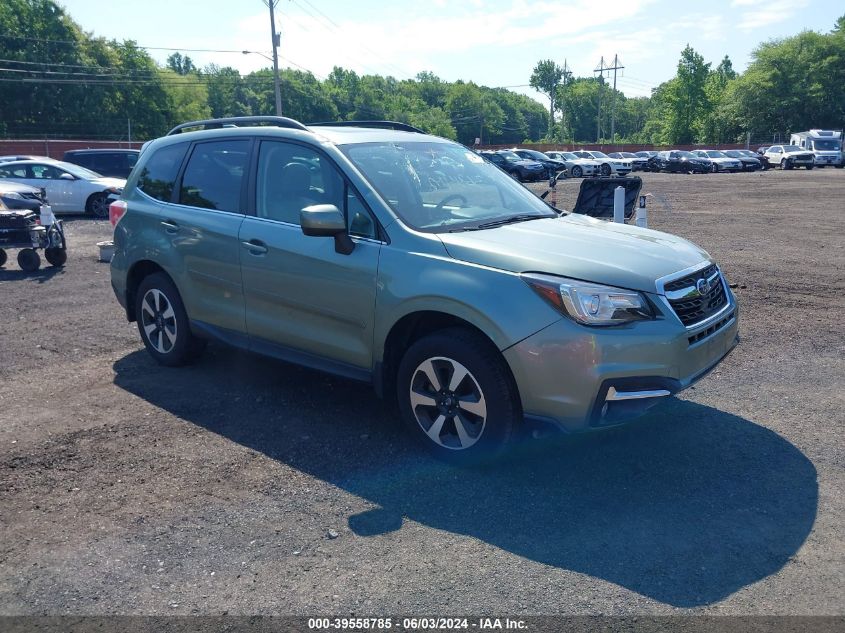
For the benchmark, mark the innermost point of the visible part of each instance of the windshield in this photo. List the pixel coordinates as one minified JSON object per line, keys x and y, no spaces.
{"x":826,"y":145}
{"x":511,"y":157}
{"x":685,"y":154}
{"x":79,"y":172}
{"x":442,"y":187}
{"x":599,"y":155}
{"x":791,"y":148}
{"x":628,"y":155}
{"x":569,"y":156}
{"x":535,"y":154}
{"x":715,"y":154}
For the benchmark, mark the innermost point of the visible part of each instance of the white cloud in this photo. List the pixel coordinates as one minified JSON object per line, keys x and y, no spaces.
{"x":402,"y":42}
{"x":770,"y":13}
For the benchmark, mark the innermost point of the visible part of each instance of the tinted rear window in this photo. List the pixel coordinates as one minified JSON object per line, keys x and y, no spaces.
{"x":214,"y":175}
{"x":158,"y":177}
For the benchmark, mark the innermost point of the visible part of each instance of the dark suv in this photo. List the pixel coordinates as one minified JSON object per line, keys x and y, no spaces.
{"x":117,"y":163}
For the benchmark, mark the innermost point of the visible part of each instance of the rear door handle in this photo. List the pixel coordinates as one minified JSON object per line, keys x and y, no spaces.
{"x":255,"y":247}
{"x":170,"y":227}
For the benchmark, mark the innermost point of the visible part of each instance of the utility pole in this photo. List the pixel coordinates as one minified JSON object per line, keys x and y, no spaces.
{"x":562,"y":104}
{"x":276,"y":41}
{"x":600,"y":71}
{"x":616,"y":67}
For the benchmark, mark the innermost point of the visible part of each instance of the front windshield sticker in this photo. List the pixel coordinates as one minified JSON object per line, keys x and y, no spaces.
{"x":473,"y":157}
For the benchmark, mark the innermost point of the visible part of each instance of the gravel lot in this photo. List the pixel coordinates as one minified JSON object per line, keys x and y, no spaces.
{"x":244,"y":485}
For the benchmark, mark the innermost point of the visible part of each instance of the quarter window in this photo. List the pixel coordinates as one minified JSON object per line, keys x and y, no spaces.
{"x":158,"y":177}
{"x":214,"y":174}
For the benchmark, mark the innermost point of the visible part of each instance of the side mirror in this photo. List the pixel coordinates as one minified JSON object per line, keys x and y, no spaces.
{"x":326,"y":220}
{"x":67,"y":176}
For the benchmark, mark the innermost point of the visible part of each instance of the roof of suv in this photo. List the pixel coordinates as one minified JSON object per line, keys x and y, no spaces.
{"x":76,"y":152}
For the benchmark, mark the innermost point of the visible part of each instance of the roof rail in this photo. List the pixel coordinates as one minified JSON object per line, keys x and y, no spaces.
{"x":390,"y":125}
{"x":238,"y":121}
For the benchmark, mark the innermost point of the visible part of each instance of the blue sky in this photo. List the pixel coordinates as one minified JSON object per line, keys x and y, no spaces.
{"x":490,"y":42}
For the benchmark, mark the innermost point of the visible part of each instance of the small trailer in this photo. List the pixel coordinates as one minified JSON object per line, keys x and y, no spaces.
{"x":23,"y":229}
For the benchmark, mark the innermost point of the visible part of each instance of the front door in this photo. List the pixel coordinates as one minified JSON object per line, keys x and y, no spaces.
{"x":303,"y":299}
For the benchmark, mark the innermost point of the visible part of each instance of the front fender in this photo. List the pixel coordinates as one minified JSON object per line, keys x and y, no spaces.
{"x":497,"y":302}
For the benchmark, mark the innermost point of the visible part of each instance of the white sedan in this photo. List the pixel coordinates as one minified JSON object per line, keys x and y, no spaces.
{"x":70,"y":188}
{"x":718,"y":160}
{"x":609,"y":165}
{"x":575,"y":165}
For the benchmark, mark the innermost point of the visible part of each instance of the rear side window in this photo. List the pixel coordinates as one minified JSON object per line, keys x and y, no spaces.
{"x":158,"y":177}
{"x":214,"y":175}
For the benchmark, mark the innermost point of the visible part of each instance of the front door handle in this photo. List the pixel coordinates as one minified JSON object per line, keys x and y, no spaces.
{"x":255,"y":247}
{"x":170,"y":227}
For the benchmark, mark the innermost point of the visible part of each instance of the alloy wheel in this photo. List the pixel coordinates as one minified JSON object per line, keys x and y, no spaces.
{"x":448,"y":403}
{"x":158,"y":321}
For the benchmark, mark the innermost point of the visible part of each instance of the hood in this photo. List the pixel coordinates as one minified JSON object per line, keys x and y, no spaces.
{"x":579,"y":247}
{"x":118,"y":183}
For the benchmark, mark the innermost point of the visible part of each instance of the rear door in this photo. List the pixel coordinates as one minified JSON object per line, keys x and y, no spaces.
{"x":303,"y":299}
{"x":201,"y":230}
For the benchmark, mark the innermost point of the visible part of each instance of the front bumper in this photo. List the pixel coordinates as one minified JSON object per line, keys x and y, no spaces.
{"x":577,"y":378}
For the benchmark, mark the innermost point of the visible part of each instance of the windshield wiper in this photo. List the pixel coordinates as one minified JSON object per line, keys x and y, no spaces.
{"x":511,"y":219}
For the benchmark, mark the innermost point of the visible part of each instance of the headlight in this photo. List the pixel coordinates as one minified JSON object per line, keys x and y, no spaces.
{"x":14,"y":195}
{"x":588,"y":303}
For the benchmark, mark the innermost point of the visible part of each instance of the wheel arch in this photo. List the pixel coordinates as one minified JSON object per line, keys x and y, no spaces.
{"x":137,"y":273}
{"x":413,"y":326}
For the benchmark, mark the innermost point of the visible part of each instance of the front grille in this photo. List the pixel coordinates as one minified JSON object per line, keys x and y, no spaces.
{"x":692,"y":307}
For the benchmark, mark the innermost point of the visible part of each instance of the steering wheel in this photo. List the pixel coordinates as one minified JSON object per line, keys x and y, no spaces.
{"x":454,"y":196}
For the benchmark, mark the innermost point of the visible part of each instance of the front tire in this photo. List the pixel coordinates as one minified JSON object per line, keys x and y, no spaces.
{"x":163,"y":322}
{"x":577,"y":172}
{"x":98,"y":206}
{"x":55,"y":255}
{"x":456,"y":396}
{"x":3,"y":258}
{"x":714,"y":168}
{"x":605,"y":170}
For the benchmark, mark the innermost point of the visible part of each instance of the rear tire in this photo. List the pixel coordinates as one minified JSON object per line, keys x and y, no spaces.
{"x":457,"y":397}
{"x":29,"y":260}
{"x":163,"y":322}
{"x":3,"y":258}
{"x":810,"y":167}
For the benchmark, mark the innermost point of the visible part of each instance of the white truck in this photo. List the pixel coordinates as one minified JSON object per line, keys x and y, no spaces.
{"x":826,"y":146}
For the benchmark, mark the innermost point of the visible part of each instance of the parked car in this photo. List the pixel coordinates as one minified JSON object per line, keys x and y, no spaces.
{"x":609,"y":165}
{"x":790,"y":156}
{"x":477,"y":306}
{"x":750,"y":161}
{"x":552,"y":165}
{"x":637,"y":162}
{"x":117,"y":163}
{"x":576,"y":166}
{"x":647,"y":155}
{"x":15,"y":195}
{"x":719,"y":161}
{"x":679,"y":161}
{"x":520,"y":168}
{"x":70,"y":188}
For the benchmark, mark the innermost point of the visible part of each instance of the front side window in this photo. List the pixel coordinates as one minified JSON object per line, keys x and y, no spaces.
{"x":158,"y":177}
{"x":214,"y":175}
{"x":439,"y":187}
{"x":292,"y":177}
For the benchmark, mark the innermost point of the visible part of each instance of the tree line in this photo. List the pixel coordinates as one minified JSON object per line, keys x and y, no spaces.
{"x":59,"y":81}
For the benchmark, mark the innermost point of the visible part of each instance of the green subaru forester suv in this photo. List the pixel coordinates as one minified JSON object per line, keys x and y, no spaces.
{"x":380,"y":253}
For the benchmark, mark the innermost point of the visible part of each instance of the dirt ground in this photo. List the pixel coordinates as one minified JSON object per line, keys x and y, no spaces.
{"x":245,"y":485}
